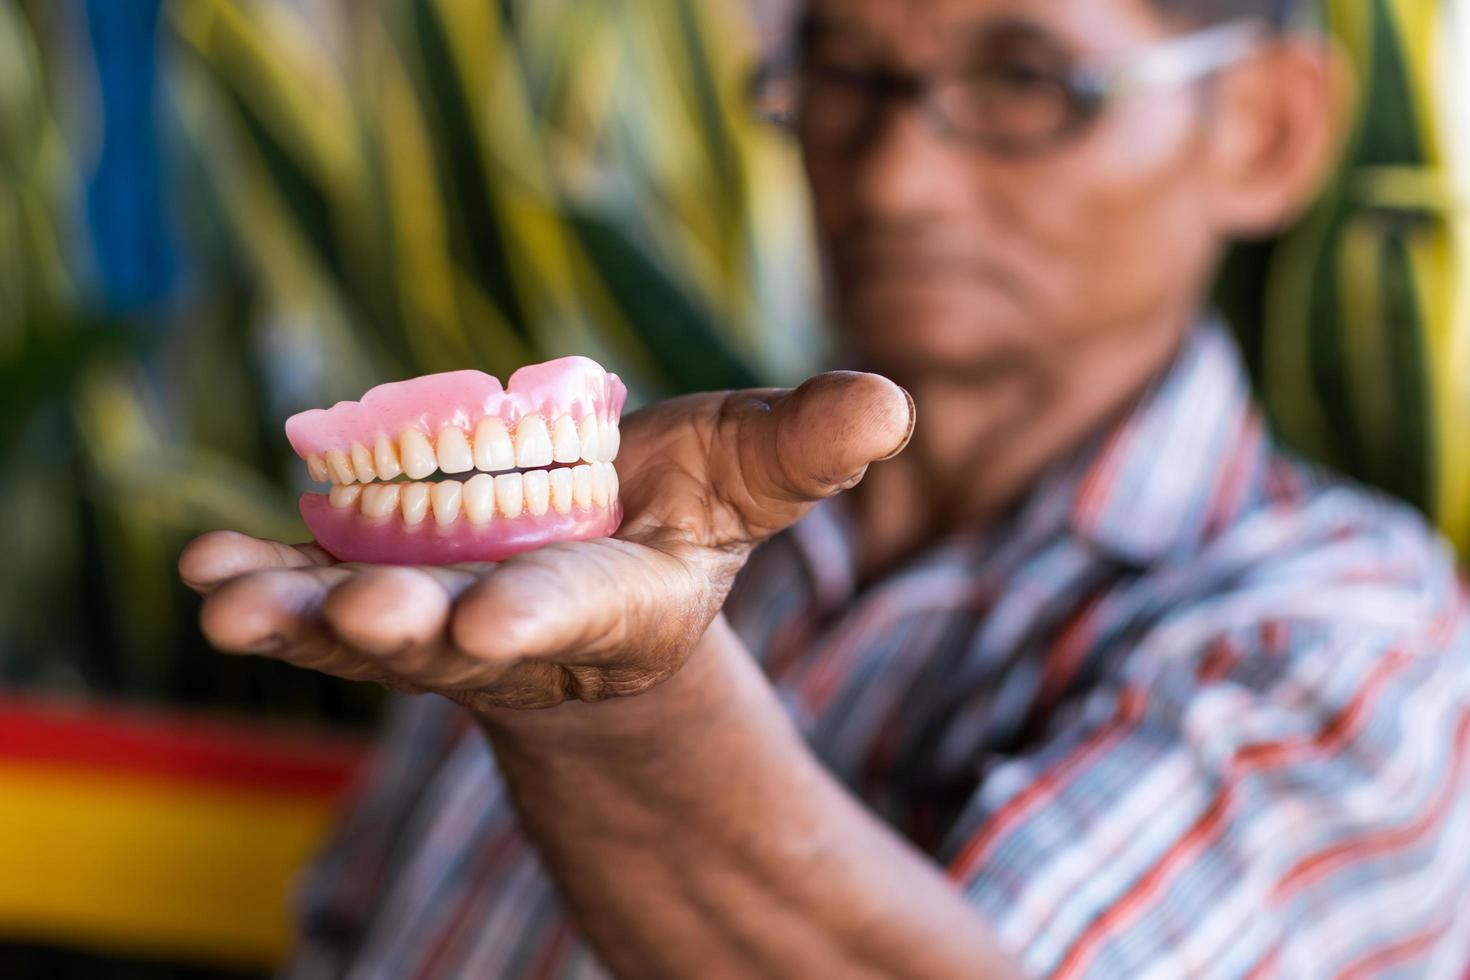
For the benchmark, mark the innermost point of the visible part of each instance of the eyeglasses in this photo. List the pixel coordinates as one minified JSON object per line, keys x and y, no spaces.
{"x":1000,"y":101}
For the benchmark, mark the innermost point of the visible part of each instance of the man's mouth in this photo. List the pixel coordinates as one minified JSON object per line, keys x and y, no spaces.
{"x":888,"y":266}
{"x":452,"y":467}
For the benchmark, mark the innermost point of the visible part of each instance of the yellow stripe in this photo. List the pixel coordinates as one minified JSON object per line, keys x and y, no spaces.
{"x":490,"y":333}
{"x":680,"y":160}
{"x":270,"y":51}
{"x":536,"y":242}
{"x":1440,"y":297}
{"x":1351,"y":22}
{"x":1294,"y":401}
{"x":1431,"y":261}
{"x":146,"y":867}
{"x":1359,"y":274}
{"x":422,"y":265}
{"x":305,"y":299}
{"x":1456,"y":488}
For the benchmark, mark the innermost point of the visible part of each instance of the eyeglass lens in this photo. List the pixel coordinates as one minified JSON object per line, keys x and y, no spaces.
{"x":1012,"y":87}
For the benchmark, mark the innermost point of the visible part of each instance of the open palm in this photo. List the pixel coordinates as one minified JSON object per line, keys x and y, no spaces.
{"x":703,"y":480}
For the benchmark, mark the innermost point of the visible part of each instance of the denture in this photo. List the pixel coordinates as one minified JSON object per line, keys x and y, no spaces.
{"x":454,"y":467}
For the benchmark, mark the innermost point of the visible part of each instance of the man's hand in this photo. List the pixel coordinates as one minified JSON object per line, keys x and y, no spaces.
{"x":704,"y":479}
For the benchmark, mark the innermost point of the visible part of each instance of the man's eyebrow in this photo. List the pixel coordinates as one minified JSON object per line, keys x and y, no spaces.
{"x":817,"y":25}
{"x":1009,"y":37}
{"x":979,"y":33}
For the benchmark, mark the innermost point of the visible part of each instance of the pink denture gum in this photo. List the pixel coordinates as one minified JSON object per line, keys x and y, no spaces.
{"x":536,"y":457}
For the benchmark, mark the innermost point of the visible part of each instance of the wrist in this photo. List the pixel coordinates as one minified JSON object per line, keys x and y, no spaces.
{"x":698,"y":693}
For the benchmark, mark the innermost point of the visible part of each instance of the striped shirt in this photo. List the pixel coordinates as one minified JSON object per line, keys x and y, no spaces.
{"x":1194,"y":709}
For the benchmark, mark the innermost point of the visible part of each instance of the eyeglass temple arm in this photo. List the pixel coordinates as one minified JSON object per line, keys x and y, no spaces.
{"x":1187,"y":58}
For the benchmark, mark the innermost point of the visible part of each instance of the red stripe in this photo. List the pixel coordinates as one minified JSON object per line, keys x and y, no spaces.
{"x":1239,"y":476}
{"x":1267,"y":967}
{"x":1219,"y":660}
{"x":1361,"y":848}
{"x":834,"y":667}
{"x":372,"y":847}
{"x":1063,"y":659}
{"x":878,"y":763}
{"x":1275,"y":637}
{"x":451,"y":937}
{"x":1211,"y":822}
{"x":1377,"y":963}
{"x":554,"y":952}
{"x":789,"y":643}
{"x":1092,"y":495}
{"x":1131,"y":702}
{"x":177,"y":746}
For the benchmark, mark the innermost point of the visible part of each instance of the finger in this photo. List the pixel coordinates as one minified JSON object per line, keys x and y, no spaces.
{"x":263,"y":611}
{"x":399,"y":618}
{"x":802,"y":446}
{"x":589,"y":598}
{"x":219,"y":556}
{"x":277,"y":613}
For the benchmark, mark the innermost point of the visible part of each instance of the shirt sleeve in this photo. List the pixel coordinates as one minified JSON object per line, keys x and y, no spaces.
{"x":1278,"y":796}
{"x":336,"y":894}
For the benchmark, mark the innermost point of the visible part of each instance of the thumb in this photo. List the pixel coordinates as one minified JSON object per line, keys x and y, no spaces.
{"x":801,"y":446}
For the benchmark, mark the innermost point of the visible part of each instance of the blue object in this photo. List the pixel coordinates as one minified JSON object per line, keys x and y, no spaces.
{"x":136,"y":259}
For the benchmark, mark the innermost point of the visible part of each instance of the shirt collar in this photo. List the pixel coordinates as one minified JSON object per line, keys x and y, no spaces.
{"x":1148,"y":487}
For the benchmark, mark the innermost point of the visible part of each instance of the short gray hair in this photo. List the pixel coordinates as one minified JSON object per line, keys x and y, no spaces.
{"x":1281,"y":13}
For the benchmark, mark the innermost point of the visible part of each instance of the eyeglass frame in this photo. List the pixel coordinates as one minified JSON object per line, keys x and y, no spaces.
{"x":1092,"y":88}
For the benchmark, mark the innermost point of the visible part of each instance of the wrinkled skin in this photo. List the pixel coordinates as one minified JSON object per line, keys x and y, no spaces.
{"x":704,"y":479}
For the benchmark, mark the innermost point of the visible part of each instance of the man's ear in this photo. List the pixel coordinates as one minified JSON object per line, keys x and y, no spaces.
{"x":1281,"y":120}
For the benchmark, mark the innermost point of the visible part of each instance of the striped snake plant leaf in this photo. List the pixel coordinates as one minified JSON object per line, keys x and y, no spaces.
{"x":534,"y":179}
{"x":1363,"y":341}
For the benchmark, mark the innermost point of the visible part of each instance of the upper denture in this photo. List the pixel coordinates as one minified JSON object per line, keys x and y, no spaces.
{"x":562,"y":411}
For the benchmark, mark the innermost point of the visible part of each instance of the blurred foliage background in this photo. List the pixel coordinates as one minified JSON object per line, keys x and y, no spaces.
{"x":333,"y":195}
{"x":1357,"y":321}
{"x":214,"y":213}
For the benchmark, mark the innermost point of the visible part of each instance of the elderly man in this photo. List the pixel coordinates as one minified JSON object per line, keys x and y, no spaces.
{"x":1090,"y":680}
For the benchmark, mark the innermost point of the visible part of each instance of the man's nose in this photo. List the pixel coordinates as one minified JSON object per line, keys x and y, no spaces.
{"x":907,"y":168}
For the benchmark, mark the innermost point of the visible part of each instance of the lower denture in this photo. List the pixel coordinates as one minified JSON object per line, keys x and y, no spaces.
{"x":542,"y":423}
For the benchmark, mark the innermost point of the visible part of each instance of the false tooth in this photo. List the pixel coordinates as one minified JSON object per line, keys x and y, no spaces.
{"x":344,"y":495}
{"x":414,"y":502}
{"x":565,"y":446}
{"x":599,"y":484}
{"x":340,"y":467}
{"x":316,"y":468}
{"x":417,"y":454}
{"x":454,"y":451}
{"x":587,"y":431}
{"x":582,"y":486}
{"x":379,"y":499}
{"x":479,"y":498}
{"x":607,"y":441}
{"x":493,"y":449}
{"x":509,"y":494}
{"x":561,"y":491}
{"x":362,"y":463}
{"x":538,"y":492}
{"x":533,"y":442}
{"x":385,"y":458}
{"x":445,"y":498}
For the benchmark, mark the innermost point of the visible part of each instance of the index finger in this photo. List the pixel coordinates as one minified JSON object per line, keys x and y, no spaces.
{"x":214,"y":558}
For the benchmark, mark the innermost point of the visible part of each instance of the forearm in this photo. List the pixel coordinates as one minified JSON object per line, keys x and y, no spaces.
{"x":693,"y":833}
